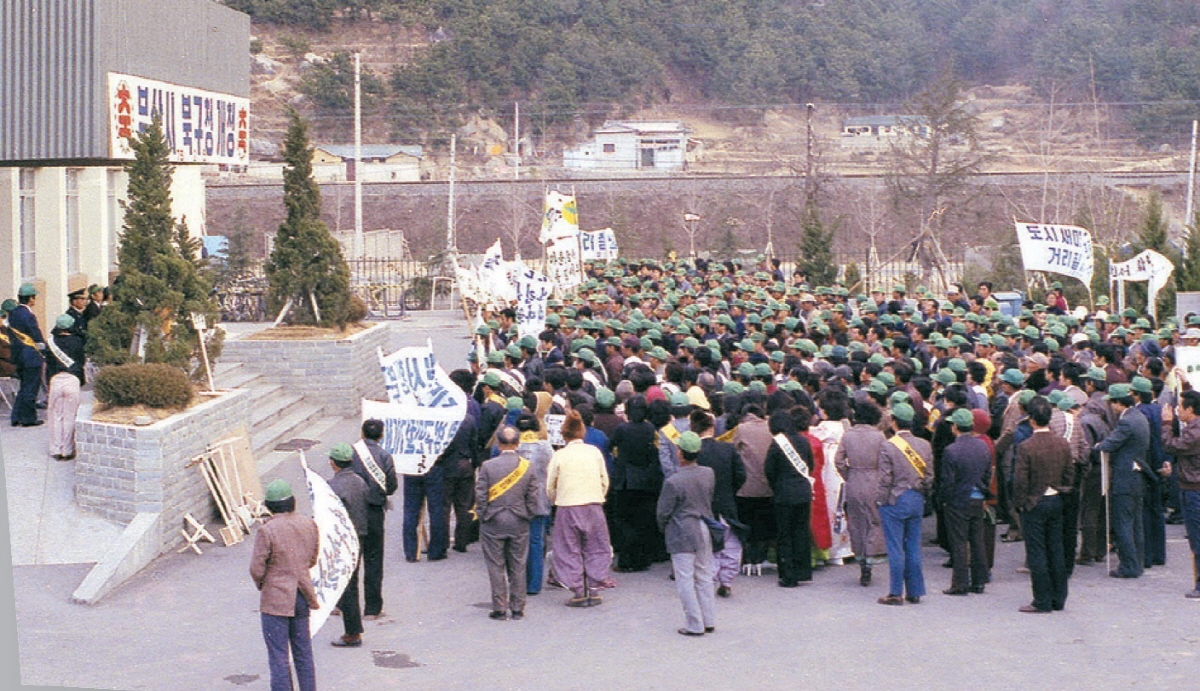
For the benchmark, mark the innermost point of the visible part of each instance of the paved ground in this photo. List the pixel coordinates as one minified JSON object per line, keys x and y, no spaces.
{"x":190,"y":622}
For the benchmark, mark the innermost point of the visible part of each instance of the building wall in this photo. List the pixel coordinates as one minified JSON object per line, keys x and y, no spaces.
{"x":55,"y":56}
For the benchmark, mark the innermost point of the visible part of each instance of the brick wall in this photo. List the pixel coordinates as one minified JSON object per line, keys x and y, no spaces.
{"x":335,"y":375}
{"x":123,"y":470}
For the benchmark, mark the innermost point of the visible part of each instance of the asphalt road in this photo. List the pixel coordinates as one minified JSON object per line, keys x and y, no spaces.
{"x":190,"y":622}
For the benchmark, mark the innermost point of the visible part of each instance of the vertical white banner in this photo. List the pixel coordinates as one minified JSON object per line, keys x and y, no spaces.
{"x":338,"y":547}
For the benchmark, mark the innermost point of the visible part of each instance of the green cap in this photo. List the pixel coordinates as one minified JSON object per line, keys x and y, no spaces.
{"x":8,"y":305}
{"x":1026,"y":396}
{"x":957,"y":365}
{"x":963,"y":419}
{"x":513,"y":351}
{"x":1117,"y":391}
{"x":679,"y":400}
{"x":903,"y":411}
{"x":688,"y":442}
{"x":762,"y":369}
{"x":1097,"y":374}
{"x":887,"y":378}
{"x":732,"y":388}
{"x":26,"y":290}
{"x":278,"y":490}
{"x":745,"y":370}
{"x":945,"y":376}
{"x":758,"y":387}
{"x":491,"y":379}
{"x":1013,"y":376}
{"x":777,"y":356}
{"x":898,"y":397}
{"x":64,"y":321}
{"x":496,"y":357}
{"x":1142,"y":385}
{"x":514,"y":403}
{"x":877,"y":387}
{"x":1065,"y":403}
{"x":605,"y":397}
{"x":341,"y":453}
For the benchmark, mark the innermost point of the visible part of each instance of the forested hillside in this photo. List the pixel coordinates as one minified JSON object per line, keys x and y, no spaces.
{"x":599,"y":58}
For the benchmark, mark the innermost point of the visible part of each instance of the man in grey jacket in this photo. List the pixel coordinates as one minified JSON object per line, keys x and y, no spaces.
{"x":352,"y":490}
{"x":685,"y":501}
{"x":506,"y":500}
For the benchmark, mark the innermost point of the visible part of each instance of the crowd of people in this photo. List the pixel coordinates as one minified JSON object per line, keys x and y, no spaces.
{"x":50,"y":371}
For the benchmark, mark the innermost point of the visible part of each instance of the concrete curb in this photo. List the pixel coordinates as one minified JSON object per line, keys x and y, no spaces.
{"x":138,"y":546}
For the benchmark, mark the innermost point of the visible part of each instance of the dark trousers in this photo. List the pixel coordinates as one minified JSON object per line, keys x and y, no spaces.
{"x":759,"y":514}
{"x":1154,"y":525}
{"x":425,"y":488}
{"x":348,"y":603}
{"x":1042,"y":529}
{"x":1128,"y":532}
{"x":24,"y":410}
{"x":1190,"y":501}
{"x":1070,"y":502}
{"x":372,"y":560}
{"x":1093,"y":541}
{"x":460,"y":494}
{"x":794,"y":546}
{"x":635,"y":512}
{"x":282,"y":634}
{"x":964,"y":531}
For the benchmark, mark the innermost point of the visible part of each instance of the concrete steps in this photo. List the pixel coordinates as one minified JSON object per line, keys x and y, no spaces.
{"x":278,"y":415}
{"x":291,"y":424}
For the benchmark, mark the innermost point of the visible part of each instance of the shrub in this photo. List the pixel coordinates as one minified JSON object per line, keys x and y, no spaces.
{"x":154,"y":385}
{"x":357,"y":310}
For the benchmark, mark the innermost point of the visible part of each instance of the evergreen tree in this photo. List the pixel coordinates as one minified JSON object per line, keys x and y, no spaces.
{"x":1154,"y":236}
{"x":853,"y":277}
{"x":1187,"y":273}
{"x":307,"y":262}
{"x":816,"y":249}
{"x":160,"y":282}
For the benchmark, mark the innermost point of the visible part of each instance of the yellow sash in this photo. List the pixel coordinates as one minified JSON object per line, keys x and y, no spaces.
{"x":506,"y":483}
{"x":671,"y":432}
{"x":914,"y":458}
{"x":497,"y":398}
{"x":529,"y":437}
{"x":728,"y":436}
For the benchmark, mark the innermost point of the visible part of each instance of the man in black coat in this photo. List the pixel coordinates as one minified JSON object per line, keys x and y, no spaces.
{"x":730,"y":475}
{"x":1128,"y":444}
{"x":375,"y":466}
{"x":966,"y":473}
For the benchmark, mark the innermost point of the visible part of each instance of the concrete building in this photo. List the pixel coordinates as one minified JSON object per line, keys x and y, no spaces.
{"x":878,"y":130}
{"x":380,"y":162}
{"x":78,"y":78}
{"x":632,"y":145}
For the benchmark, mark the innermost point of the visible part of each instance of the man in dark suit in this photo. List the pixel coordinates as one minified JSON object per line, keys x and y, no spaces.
{"x":966,"y":472}
{"x":382,"y":483}
{"x":28,"y":345}
{"x":1128,"y":445}
{"x":1044,"y":469}
{"x":730,"y":475}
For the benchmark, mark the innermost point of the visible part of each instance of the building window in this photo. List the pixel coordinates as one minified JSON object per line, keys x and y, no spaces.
{"x":610,"y":148}
{"x":28,"y":224}
{"x":72,"y":217}
{"x":114,"y":217}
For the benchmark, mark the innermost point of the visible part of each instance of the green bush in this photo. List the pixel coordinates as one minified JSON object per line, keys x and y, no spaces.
{"x":154,"y":385}
{"x":357,"y":311}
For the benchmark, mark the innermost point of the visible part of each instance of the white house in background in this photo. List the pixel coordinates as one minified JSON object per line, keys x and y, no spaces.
{"x":874,"y":129}
{"x":380,"y":162}
{"x":632,"y":145}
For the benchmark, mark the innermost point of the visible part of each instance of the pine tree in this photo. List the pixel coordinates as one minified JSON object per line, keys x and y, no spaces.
{"x":307,"y":262}
{"x":160,"y":282}
{"x":816,"y":249}
{"x":1187,"y":275}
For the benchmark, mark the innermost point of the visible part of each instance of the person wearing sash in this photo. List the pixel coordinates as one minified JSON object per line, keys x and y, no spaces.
{"x":375,"y":466}
{"x":905,"y":476}
{"x":788,"y":468}
{"x":507,"y":497}
{"x":27,"y":344}
{"x":64,"y":371}
{"x":353,"y":491}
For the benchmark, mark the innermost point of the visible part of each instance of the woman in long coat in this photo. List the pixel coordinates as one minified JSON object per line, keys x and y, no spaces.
{"x":857,"y":461}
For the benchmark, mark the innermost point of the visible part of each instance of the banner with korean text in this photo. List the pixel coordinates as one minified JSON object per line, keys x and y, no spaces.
{"x":533,"y":289}
{"x":560,"y":219}
{"x":563,"y":265}
{"x":1148,"y":266}
{"x":338,"y":547}
{"x":598,"y":244}
{"x":423,"y":412}
{"x":1059,"y":249}
{"x":200,"y":126}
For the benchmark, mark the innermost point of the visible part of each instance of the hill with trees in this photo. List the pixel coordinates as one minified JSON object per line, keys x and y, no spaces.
{"x":596,"y":59}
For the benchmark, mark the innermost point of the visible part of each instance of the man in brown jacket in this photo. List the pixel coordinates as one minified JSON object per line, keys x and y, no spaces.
{"x":1044,"y":469}
{"x":285,"y":548}
{"x":1184,"y":447}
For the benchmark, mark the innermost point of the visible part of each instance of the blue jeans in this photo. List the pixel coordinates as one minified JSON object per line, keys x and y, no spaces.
{"x":1190,"y":499}
{"x":280,"y":633}
{"x":902,"y":531}
{"x":534,"y":566}
{"x":1042,"y":528}
{"x":428,"y":488}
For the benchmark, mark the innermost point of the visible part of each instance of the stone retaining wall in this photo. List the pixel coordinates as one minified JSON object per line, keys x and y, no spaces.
{"x":335,"y":375}
{"x":123,"y":470}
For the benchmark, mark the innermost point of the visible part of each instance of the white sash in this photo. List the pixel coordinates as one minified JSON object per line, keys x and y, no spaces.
{"x":368,"y":461}
{"x":1070,"y":426}
{"x":793,"y":455}
{"x":67,"y":361}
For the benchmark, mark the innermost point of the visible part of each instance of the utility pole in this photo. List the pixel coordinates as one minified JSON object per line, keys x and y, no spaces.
{"x":451,"y":240}
{"x":1187,"y":217}
{"x":358,"y":222}
{"x":809,"y":187}
{"x":516,"y":205}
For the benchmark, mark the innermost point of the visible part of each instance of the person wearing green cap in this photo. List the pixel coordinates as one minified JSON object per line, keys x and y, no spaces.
{"x":352,"y":489}
{"x":966,"y":473}
{"x":507,"y":493}
{"x":683,"y":511}
{"x":285,"y":548}
{"x":1129,"y":475}
{"x":906,"y":475}
{"x":377,"y":468}
{"x":64,"y":372}
{"x":1153,"y":518}
{"x":26,"y":343}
